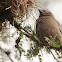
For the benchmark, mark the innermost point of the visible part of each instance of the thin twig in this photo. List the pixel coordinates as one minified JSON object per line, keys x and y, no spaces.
{"x":54,"y":56}
{"x":7,"y":55}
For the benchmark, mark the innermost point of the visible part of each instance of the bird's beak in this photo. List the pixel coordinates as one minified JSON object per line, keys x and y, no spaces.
{"x":41,"y":11}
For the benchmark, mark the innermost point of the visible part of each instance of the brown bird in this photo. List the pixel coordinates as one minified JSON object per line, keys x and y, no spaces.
{"x":47,"y":25}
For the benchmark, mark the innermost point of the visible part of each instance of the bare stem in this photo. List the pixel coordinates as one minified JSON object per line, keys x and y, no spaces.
{"x":54,"y":56}
{"x":7,"y":55}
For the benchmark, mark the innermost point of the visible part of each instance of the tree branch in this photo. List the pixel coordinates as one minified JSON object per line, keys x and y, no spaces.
{"x":54,"y":56}
{"x":31,"y":36}
{"x":7,"y":54}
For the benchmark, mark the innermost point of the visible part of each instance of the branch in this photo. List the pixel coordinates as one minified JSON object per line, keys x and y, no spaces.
{"x":7,"y":54}
{"x":54,"y":56}
{"x":31,"y":36}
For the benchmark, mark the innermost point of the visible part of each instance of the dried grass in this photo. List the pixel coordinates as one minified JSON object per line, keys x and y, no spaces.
{"x":12,"y":8}
{"x":15,"y":6}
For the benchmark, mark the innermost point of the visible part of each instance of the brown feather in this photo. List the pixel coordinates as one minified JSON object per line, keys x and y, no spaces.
{"x":47,"y":25}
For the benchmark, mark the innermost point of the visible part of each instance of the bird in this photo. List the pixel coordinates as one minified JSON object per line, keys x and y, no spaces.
{"x":47,"y":25}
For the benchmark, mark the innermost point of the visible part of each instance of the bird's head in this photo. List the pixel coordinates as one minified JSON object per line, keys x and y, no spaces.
{"x":45,"y":12}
